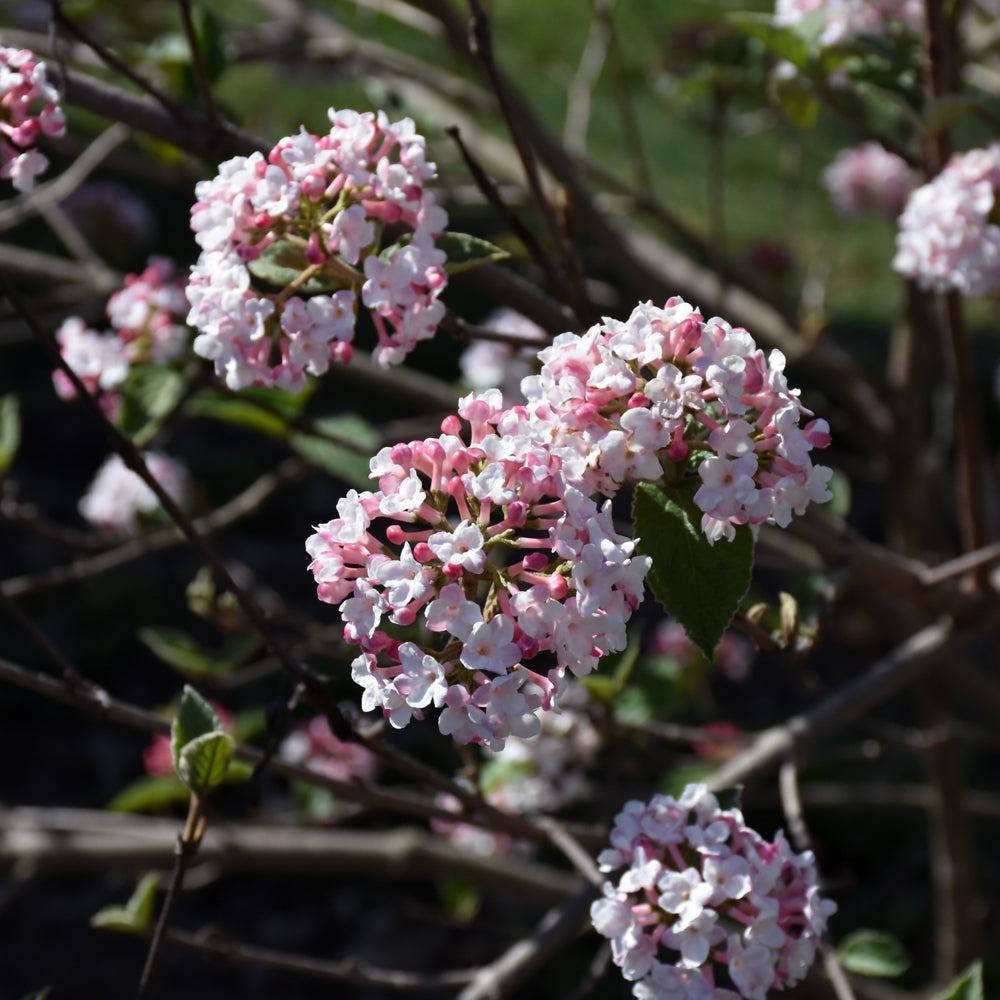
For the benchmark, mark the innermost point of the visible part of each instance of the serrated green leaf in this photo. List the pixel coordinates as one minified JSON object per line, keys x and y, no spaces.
{"x":465,"y":252}
{"x":218,"y":406}
{"x":786,"y":43}
{"x":195,"y":718}
{"x":149,"y":395}
{"x":184,"y":653}
{"x":968,"y":985}
{"x":282,"y":262}
{"x":204,"y":761}
{"x":700,"y":584}
{"x":344,"y":463}
{"x":10,"y":431}
{"x":873,"y":953}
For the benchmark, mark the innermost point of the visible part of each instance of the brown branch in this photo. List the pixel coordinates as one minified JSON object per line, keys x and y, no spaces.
{"x":882,"y":679}
{"x":198,"y":60}
{"x":502,"y":977}
{"x":55,"y":841}
{"x":217,"y":946}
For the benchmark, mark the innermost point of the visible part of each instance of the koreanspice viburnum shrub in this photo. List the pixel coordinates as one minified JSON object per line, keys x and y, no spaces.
{"x":292,"y":241}
{"x":474,"y":578}
{"x":28,"y":108}
{"x":947,"y":240}
{"x":704,"y":908}
{"x":147,"y":327}
{"x":668,"y":392}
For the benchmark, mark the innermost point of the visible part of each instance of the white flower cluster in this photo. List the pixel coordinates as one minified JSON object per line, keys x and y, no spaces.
{"x":23,"y":86}
{"x":947,"y":240}
{"x":308,"y":220}
{"x":844,"y":20}
{"x":868,"y":178}
{"x":703,"y":897}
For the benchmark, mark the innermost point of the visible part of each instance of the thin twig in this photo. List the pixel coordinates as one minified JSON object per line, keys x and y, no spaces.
{"x":110,"y":59}
{"x":198,"y":59}
{"x":581,"y":87}
{"x":20,"y":209}
{"x":880,"y":681}
{"x":791,"y":805}
{"x":349,"y":970}
{"x":502,"y":977}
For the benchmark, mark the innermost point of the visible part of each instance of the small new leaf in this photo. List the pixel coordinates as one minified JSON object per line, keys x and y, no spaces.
{"x":282,"y":262}
{"x":465,"y":252}
{"x":136,"y":916}
{"x":149,"y":394}
{"x":10,"y":431}
{"x":195,"y":718}
{"x":968,"y":985}
{"x":204,"y":761}
{"x":873,"y":953}
{"x":700,"y":584}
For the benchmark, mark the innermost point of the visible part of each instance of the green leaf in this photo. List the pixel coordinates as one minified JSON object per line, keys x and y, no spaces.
{"x":136,"y":916}
{"x":349,"y":428}
{"x":149,"y":394}
{"x":10,"y":431}
{"x":184,"y":653}
{"x":213,"y":46}
{"x":700,"y":584}
{"x":968,"y":985}
{"x":465,"y":252}
{"x":282,"y":262}
{"x":204,"y":761}
{"x":344,"y":463}
{"x":195,"y":718}
{"x":147,"y":795}
{"x":873,"y":953}
{"x":785,"y":43}
{"x":231,"y":410}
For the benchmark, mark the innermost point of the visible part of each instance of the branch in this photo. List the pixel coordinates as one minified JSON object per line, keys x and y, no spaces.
{"x":883,"y":679}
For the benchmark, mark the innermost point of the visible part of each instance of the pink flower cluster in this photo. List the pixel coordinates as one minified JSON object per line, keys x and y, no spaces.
{"x":315,"y":746}
{"x":23,"y":86}
{"x":117,"y":499}
{"x":845,"y":20}
{"x":947,"y":240}
{"x":868,"y":178}
{"x":667,"y":387}
{"x":317,"y":208}
{"x":147,"y":327}
{"x":472,"y":560}
{"x":706,"y":909}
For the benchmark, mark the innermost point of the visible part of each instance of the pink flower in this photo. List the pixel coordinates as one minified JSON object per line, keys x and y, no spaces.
{"x":946,"y":239}
{"x":724,"y":896}
{"x":319,"y":204}
{"x":23,"y":86}
{"x":868,"y":178}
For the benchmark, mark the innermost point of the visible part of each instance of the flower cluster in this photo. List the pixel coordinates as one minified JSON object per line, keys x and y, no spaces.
{"x":845,"y":20}
{"x":146,"y":320}
{"x":471,"y":561}
{"x":625,"y":400}
{"x":868,"y":178}
{"x":702,"y":897}
{"x":118,"y":498}
{"x":318,"y":748}
{"x":289,"y":242}
{"x":23,"y":86}
{"x":947,"y":240}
